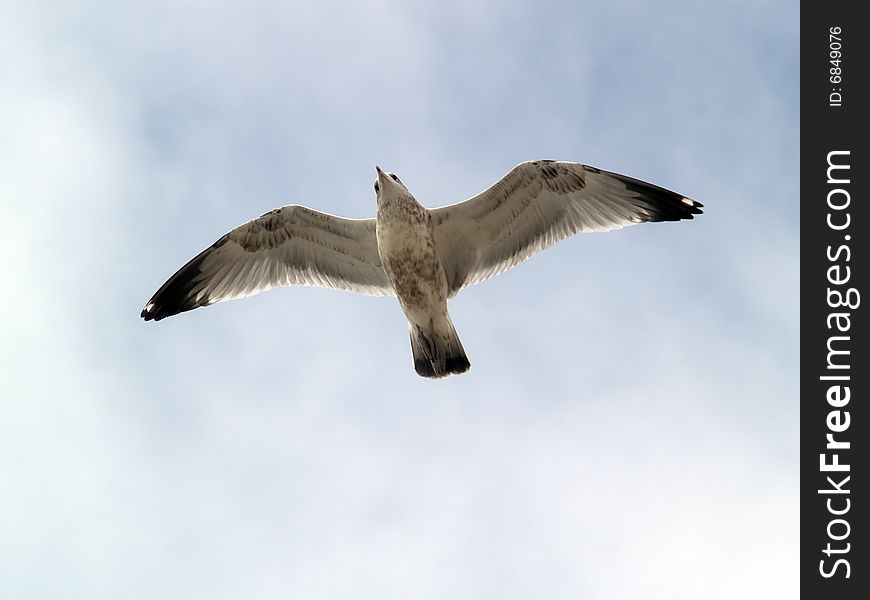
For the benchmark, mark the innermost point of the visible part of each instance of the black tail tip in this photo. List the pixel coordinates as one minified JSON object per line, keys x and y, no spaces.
{"x":453,"y":366}
{"x":424,"y":368}
{"x":457,"y":365}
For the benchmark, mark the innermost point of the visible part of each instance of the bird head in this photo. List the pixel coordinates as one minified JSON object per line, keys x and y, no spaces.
{"x":388,"y":184}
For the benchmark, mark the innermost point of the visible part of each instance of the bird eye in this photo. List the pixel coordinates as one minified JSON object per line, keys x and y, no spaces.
{"x":377,"y":187}
{"x":393,"y":175}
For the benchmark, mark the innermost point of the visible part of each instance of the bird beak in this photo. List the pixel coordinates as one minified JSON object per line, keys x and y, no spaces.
{"x":382,"y":177}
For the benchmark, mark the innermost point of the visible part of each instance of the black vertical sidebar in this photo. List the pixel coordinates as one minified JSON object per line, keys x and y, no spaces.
{"x":835,"y":367}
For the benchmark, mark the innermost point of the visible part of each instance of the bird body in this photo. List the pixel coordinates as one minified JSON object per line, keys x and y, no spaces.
{"x":406,"y":244}
{"x":421,"y":256}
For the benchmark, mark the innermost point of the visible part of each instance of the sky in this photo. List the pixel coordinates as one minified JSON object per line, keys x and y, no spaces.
{"x":629,"y":426}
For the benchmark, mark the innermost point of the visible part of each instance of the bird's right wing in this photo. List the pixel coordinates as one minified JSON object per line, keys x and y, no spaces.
{"x":534,"y":206}
{"x":291,"y":245}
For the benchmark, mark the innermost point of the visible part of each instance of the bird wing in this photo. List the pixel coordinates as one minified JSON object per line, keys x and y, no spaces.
{"x":537,"y":204}
{"x":291,"y":245}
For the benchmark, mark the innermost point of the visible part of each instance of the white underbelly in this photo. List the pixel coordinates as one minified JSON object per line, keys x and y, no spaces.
{"x":408,"y":255}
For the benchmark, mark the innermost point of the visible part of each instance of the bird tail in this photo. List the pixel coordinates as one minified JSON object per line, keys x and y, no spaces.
{"x":437,"y":349}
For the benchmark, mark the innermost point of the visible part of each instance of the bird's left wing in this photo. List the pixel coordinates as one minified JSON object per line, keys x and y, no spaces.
{"x":291,"y":245}
{"x":534,"y":206}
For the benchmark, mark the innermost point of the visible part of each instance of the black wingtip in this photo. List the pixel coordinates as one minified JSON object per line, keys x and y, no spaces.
{"x":692,"y":208}
{"x":660,"y":204}
{"x":171,"y":301}
{"x":181,"y":292}
{"x":152,"y":313}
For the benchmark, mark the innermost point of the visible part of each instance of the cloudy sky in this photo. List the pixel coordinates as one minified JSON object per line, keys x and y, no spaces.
{"x":629,"y":427}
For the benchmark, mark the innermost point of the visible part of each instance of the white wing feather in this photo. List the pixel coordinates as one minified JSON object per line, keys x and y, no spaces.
{"x":534,"y":206}
{"x":291,"y":245}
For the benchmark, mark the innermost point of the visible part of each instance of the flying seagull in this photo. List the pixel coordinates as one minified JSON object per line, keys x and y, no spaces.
{"x":421,"y":256}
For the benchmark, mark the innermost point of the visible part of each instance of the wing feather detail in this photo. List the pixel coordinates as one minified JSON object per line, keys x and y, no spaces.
{"x":537,"y":204}
{"x":291,"y":245}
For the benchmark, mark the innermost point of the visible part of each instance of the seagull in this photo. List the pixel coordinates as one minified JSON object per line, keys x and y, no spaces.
{"x":421,"y":256}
